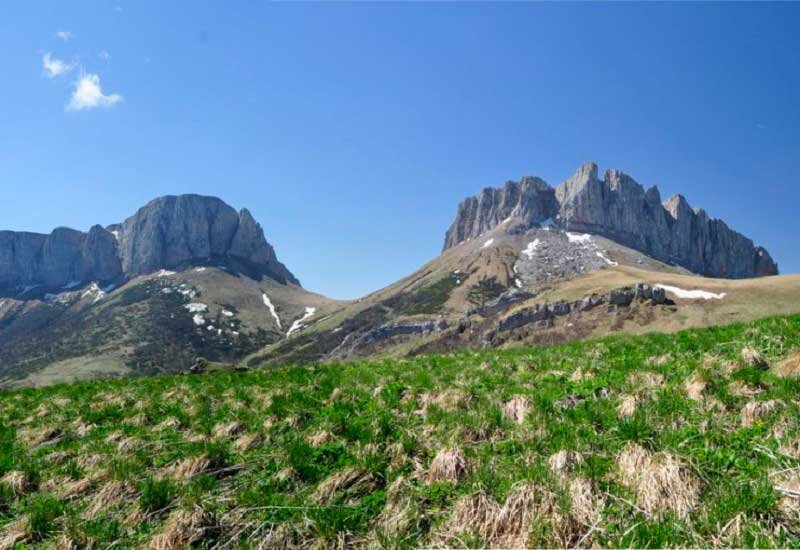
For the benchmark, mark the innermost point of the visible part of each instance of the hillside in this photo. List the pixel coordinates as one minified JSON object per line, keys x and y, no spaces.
{"x":685,"y":439}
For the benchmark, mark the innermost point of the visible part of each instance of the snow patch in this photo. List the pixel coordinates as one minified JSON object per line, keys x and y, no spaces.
{"x":116,"y":234}
{"x":72,"y":284}
{"x":692,"y":294}
{"x":298,"y":324}
{"x":198,"y":320}
{"x":584,"y":238}
{"x":518,"y":283}
{"x":605,"y":258}
{"x":227,"y":313}
{"x":488,"y":243}
{"x":199,"y":269}
{"x":268,"y":303}
{"x":165,"y":273}
{"x":196,"y":307}
{"x":95,"y":290}
{"x":530,"y":250}
{"x":166,"y":290}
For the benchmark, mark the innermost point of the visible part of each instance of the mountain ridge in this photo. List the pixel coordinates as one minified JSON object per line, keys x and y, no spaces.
{"x":619,"y":208}
{"x":166,"y":233}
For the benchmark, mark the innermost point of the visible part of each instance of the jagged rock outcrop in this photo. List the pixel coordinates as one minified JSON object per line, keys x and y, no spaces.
{"x":618,"y":298}
{"x":531,"y":200}
{"x":618,"y":208}
{"x":168,"y":232}
{"x":174,"y":230}
{"x":58,"y":259}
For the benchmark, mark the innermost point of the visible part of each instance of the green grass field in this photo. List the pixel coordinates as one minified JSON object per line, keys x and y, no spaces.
{"x":685,"y":439}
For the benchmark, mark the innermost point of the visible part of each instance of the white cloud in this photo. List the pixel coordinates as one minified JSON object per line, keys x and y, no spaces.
{"x":64,"y":35}
{"x":104,"y":55}
{"x":89,"y":95}
{"x":54,"y":67}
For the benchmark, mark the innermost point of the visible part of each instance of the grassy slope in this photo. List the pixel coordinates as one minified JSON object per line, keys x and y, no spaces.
{"x":627,"y":441}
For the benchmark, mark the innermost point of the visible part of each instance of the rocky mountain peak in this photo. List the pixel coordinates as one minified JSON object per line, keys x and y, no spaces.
{"x":168,"y":232}
{"x":618,"y":207}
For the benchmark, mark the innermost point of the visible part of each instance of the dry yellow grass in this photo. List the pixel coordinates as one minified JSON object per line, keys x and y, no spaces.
{"x":753,"y":358}
{"x":356,"y":481}
{"x":111,"y":494}
{"x":564,"y":462}
{"x":181,"y":530}
{"x":661,"y":482}
{"x":695,"y":386}
{"x":448,"y":465}
{"x":187,"y":468}
{"x":758,"y":410}
{"x":517,"y":409}
{"x":627,"y":406}
{"x":789,"y":366}
{"x":16,"y":481}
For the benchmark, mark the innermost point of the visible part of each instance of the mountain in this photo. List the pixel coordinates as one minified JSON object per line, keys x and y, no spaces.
{"x":188,"y":283}
{"x":167,"y":233}
{"x":620,"y":209}
{"x":526,"y":263}
{"x":185,"y":277}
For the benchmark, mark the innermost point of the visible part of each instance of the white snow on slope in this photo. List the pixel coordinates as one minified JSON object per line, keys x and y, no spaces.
{"x":199,"y":269}
{"x":227,"y":313}
{"x":198,"y":320}
{"x":94,"y":289}
{"x":196,"y":307}
{"x":488,"y":243}
{"x":692,"y":294}
{"x":268,"y":303}
{"x":298,"y":324}
{"x":518,"y":283}
{"x":72,"y":284}
{"x":530,"y":250}
{"x":165,"y":273}
{"x":579,"y":237}
{"x":116,"y":234}
{"x":605,"y":258}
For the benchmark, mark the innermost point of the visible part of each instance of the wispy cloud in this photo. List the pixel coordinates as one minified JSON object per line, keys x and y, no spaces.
{"x":66,"y":36}
{"x":54,"y":67}
{"x":89,"y":95}
{"x":104,"y":55}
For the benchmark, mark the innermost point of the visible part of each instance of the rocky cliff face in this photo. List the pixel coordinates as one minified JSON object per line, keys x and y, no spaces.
{"x":618,"y":208}
{"x":167,"y":233}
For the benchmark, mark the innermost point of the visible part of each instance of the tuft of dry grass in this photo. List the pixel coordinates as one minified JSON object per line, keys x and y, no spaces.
{"x":246,"y":442}
{"x":111,"y":494}
{"x":627,"y":406}
{"x":352,"y":481}
{"x":182,"y":529}
{"x":228,"y":429}
{"x":505,"y":526}
{"x":661,"y":482}
{"x":448,"y":465}
{"x":170,"y":423}
{"x":758,"y":410}
{"x":16,"y":481}
{"x":564,"y":462}
{"x":14,"y":533}
{"x":789,"y":366}
{"x":517,"y":409}
{"x":658,"y":360}
{"x":187,"y":468}
{"x":694,"y":386}
{"x":753,"y":358}
{"x":320,"y":438}
{"x":646,"y":379}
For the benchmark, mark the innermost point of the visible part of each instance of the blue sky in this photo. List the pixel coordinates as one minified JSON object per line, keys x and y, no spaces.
{"x":351,"y":131}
